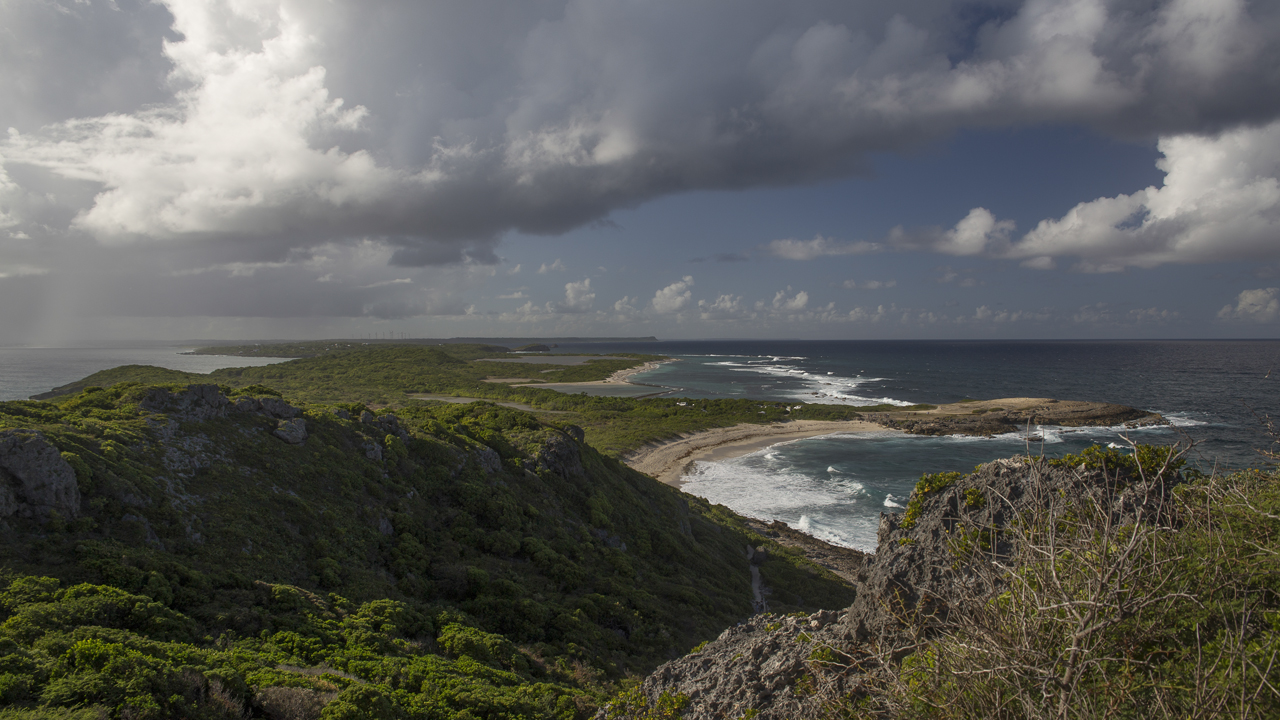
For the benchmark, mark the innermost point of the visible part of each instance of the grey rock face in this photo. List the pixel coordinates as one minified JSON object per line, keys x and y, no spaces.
{"x":389,"y":424}
{"x":757,"y":665}
{"x":34,"y":478}
{"x":752,"y":666}
{"x":248,"y":404}
{"x":489,"y":459}
{"x":279,"y":409}
{"x":561,"y":456}
{"x":292,"y":431}
{"x":197,"y":402}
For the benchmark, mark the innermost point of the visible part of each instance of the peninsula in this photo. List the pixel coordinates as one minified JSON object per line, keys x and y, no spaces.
{"x":325,"y":535}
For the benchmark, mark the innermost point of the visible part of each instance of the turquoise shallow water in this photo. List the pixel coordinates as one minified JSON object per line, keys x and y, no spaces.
{"x":835,"y":487}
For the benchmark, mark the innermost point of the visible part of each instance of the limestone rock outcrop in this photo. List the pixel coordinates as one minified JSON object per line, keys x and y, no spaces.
{"x":35,"y":480}
{"x":292,"y":431}
{"x":759,"y":668}
{"x":197,"y":402}
{"x":561,"y":456}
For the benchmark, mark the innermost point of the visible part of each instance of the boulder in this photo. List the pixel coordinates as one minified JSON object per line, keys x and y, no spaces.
{"x":561,"y":456}
{"x":248,"y":404}
{"x":197,"y":402}
{"x":279,"y":409}
{"x":292,"y":431}
{"x":35,"y":480}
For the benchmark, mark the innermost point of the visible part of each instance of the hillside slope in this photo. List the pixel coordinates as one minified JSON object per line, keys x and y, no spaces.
{"x":175,"y":551}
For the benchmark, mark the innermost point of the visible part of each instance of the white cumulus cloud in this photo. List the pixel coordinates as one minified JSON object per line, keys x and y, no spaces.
{"x":725,"y":307}
{"x":792,"y":303}
{"x":819,"y":246}
{"x":1259,"y":306}
{"x":1220,"y":201}
{"x":578,"y":297}
{"x":673,"y":297}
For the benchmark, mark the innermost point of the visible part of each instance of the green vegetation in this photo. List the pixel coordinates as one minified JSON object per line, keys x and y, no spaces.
{"x":1090,"y":614}
{"x":442,"y":561}
{"x":1146,"y":461}
{"x":632,"y":704}
{"x":929,"y":483}
{"x":390,"y":375}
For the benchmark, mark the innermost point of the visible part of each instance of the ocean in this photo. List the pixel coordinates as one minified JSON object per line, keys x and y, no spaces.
{"x":28,"y":371}
{"x":835,"y":487}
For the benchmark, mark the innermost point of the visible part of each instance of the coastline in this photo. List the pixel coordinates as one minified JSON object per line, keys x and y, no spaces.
{"x":622,"y":375}
{"x":668,"y":461}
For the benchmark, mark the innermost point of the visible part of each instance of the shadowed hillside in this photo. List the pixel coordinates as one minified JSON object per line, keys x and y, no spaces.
{"x":184,"y":552}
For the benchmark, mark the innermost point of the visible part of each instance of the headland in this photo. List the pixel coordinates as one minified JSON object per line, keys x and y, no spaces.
{"x":669,"y":461}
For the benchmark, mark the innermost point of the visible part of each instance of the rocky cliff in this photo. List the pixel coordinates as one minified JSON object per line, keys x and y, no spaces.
{"x":802,"y":666}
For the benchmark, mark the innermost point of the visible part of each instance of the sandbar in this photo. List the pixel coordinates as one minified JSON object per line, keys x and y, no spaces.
{"x":669,"y":461}
{"x":616,"y":385}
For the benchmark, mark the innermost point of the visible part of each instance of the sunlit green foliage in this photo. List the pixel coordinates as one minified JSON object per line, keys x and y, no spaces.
{"x":391,"y":375}
{"x":929,"y":483}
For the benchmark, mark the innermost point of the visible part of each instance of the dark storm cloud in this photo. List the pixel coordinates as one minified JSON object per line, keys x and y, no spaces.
{"x":281,"y":158}
{"x":298,"y":122}
{"x":81,"y":59}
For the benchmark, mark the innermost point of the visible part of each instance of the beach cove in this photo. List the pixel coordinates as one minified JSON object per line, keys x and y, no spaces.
{"x":669,"y":462}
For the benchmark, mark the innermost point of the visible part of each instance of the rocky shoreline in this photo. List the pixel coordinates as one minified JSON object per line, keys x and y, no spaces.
{"x":669,"y":461}
{"x":1006,"y":415}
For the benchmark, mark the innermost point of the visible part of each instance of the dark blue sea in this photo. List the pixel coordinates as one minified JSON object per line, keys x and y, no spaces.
{"x":1215,"y":393}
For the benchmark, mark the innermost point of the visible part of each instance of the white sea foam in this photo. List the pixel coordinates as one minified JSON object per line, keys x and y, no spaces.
{"x":1181,"y":420}
{"x":817,"y":529}
{"x":890,"y":503}
{"x":823,"y":388}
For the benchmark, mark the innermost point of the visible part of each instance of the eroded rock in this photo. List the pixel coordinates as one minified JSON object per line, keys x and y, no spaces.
{"x":197,"y":402}
{"x":758,"y":667}
{"x":561,"y":456}
{"x":292,"y":431}
{"x":35,"y":479}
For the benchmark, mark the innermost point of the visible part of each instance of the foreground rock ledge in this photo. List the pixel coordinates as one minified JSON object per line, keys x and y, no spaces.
{"x":773,"y":667}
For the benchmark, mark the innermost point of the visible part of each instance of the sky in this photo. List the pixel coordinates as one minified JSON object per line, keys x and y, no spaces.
{"x":686,"y":169}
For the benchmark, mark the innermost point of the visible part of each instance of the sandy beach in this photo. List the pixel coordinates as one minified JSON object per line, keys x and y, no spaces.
{"x":607,"y":387}
{"x":622,"y":375}
{"x":668,"y":461}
